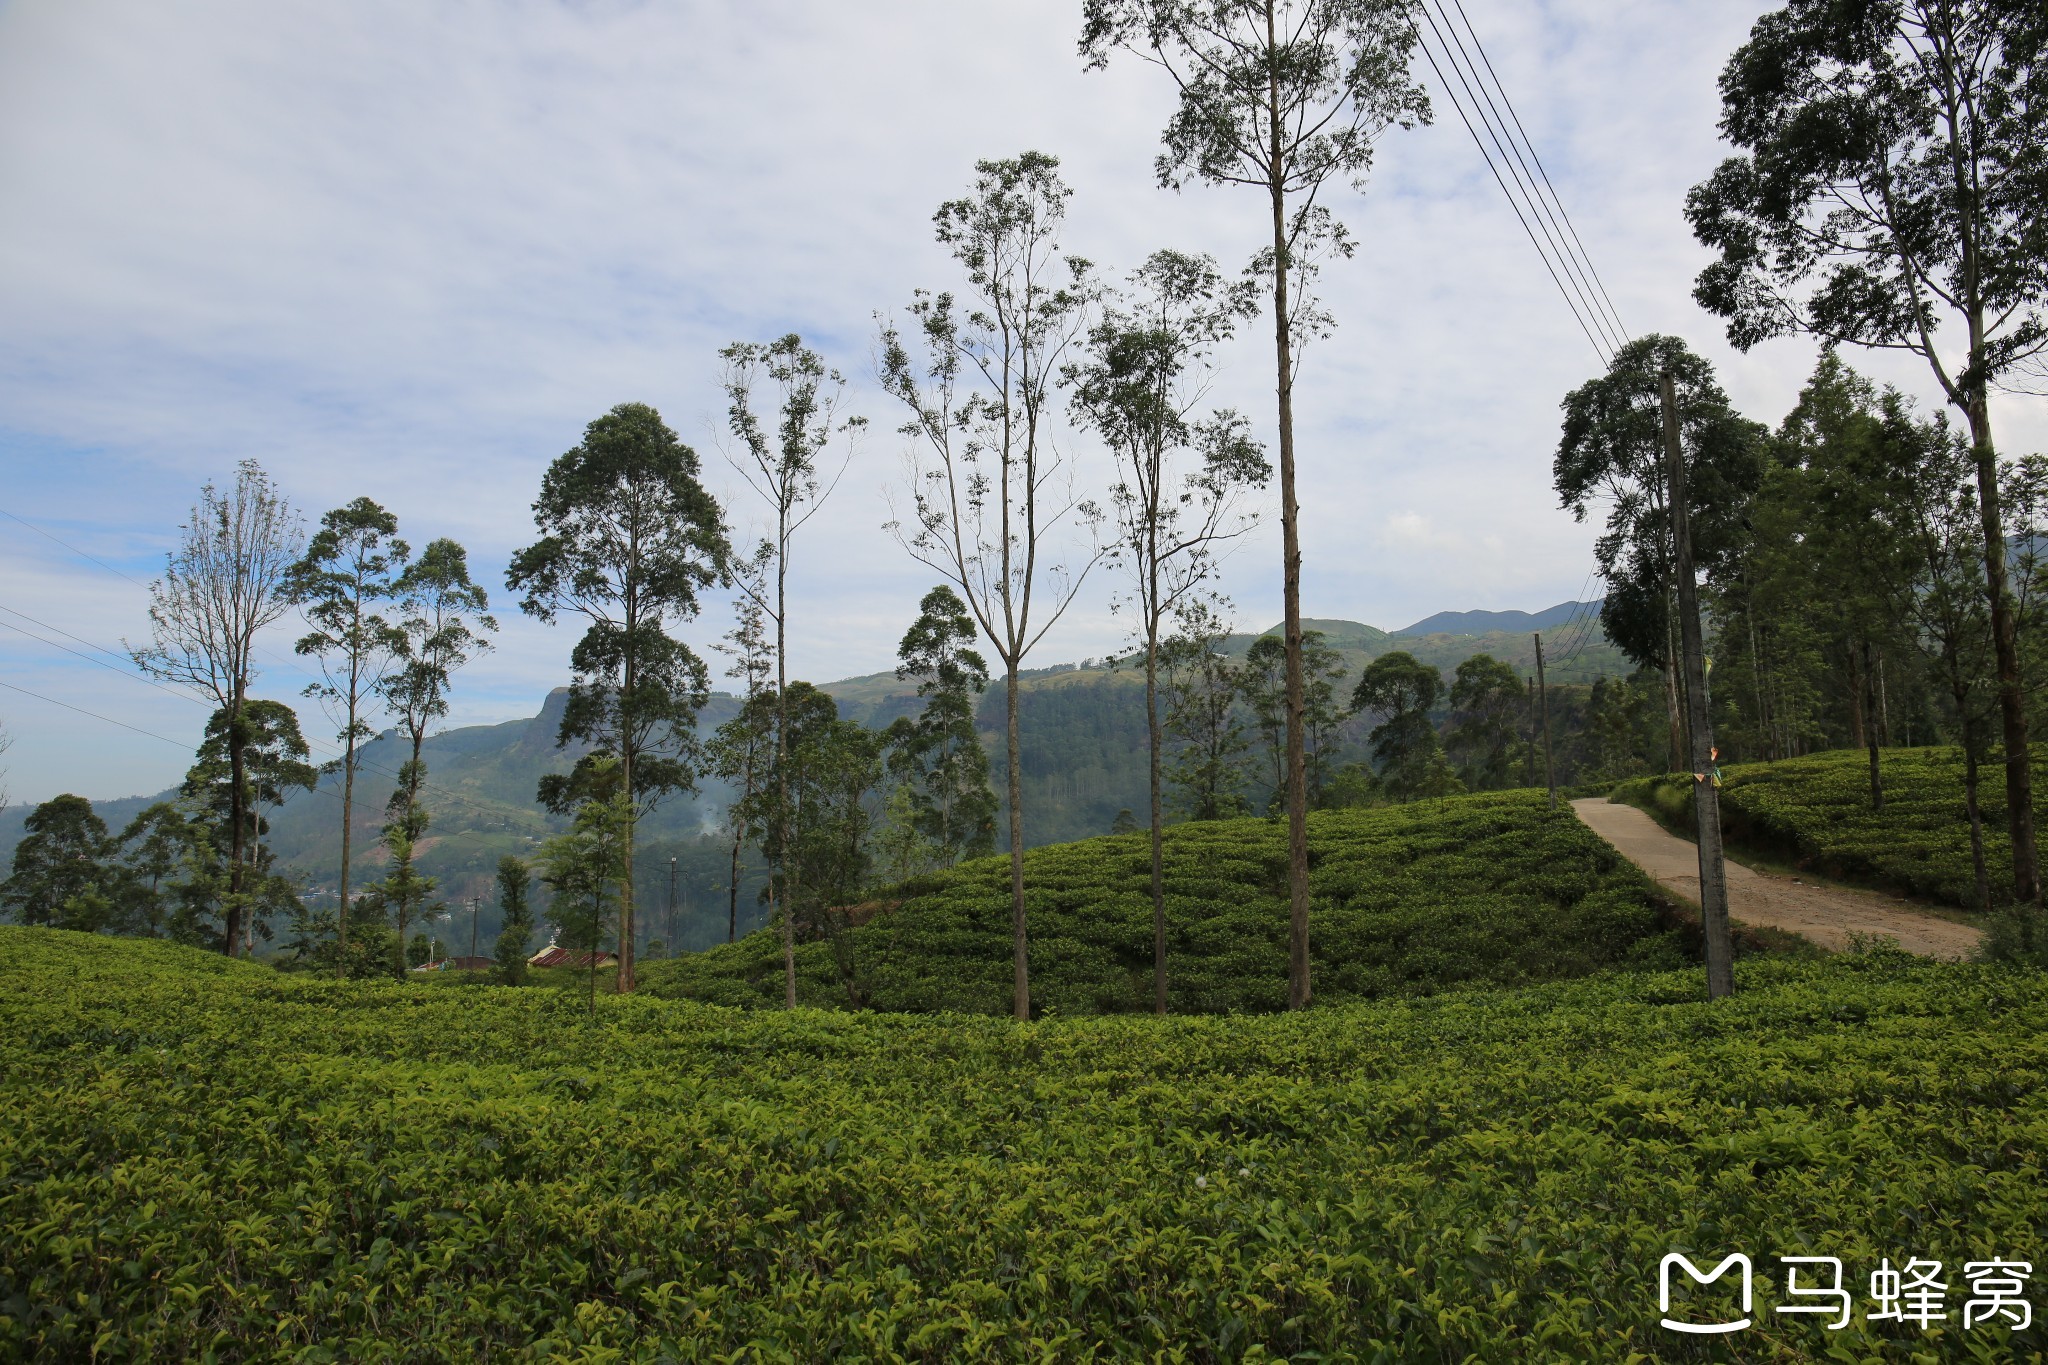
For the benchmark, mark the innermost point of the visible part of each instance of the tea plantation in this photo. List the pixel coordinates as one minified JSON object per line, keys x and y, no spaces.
{"x":1493,"y":889}
{"x":206,"y":1160}
{"x":1816,"y":812}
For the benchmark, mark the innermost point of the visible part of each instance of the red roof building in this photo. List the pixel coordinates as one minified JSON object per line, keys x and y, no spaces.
{"x":552,"y":956}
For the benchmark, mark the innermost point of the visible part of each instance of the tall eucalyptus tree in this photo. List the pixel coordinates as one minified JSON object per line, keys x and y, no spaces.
{"x":629,"y":537}
{"x":782,"y":468}
{"x":989,"y":485}
{"x":1148,"y":367}
{"x":350,"y":570}
{"x":1891,"y":176}
{"x":1283,"y":97}
{"x":223,"y":584}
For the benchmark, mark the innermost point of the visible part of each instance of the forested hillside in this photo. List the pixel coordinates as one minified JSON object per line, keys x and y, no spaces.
{"x":1084,"y":753}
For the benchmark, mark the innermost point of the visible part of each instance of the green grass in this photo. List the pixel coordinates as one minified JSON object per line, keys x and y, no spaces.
{"x":1407,"y":900}
{"x":208,"y":1160}
{"x":1814,"y":813}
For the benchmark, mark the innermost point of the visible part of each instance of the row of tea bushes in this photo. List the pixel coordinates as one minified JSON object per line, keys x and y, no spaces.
{"x":1816,"y":812}
{"x":1407,"y":900}
{"x":208,"y":1161}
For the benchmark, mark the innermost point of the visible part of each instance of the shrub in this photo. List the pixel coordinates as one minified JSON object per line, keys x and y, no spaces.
{"x":1408,"y":900}
{"x":206,"y":1160}
{"x":1815,"y":813}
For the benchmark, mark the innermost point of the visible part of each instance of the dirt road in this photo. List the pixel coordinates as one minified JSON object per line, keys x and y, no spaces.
{"x":1828,"y":915}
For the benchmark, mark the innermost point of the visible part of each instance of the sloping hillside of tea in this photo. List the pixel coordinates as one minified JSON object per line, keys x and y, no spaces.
{"x":206,"y":1160}
{"x":1816,"y":813}
{"x":1493,"y":889}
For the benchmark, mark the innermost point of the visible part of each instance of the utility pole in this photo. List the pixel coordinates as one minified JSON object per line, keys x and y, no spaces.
{"x":475,"y":904}
{"x":669,"y":945}
{"x":1706,"y":801}
{"x":1543,"y":691}
{"x":1529,"y":749}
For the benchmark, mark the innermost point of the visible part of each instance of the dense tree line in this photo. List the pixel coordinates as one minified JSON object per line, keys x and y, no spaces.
{"x":1870,"y":569}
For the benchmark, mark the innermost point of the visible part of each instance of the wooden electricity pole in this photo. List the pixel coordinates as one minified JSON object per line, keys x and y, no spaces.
{"x":1529,"y":749}
{"x":1543,"y":691}
{"x":1706,"y":801}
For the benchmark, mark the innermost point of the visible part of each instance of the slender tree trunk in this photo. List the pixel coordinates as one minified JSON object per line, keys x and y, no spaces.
{"x":623,"y":983}
{"x":1858,"y":721}
{"x":732,"y":909}
{"x":1870,"y":729}
{"x":348,"y":801}
{"x":1298,"y":985}
{"x":1543,"y":693}
{"x":1020,"y":999}
{"x":1720,"y":948}
{"x":1884,"y":701}
{"x":1673,"y":701}
{"x":788,"y":867}
{"x":2012,"y":707}
{"x":238,"y":816}
{"x":1158,"y":846}
{"x":1756,"y":677}
{"x":1971,"y":804}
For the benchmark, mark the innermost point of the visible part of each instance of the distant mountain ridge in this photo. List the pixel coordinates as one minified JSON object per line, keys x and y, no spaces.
{"x":1487,"y":622}
{"x":1084,"y":750}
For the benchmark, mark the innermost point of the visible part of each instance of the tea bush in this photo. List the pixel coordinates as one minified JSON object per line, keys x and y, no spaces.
{"x":1815,"y":812}
{"x":1492,"y":889}
{"x":207,"y":1161}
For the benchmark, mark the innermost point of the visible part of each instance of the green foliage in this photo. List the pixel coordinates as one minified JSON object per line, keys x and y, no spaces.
{"x":403,"y":896}
{"x":1612,"y":452}
{"x":1407,"y":900}
{"x":1815,"y":812}
{"x":1486,"y":729}
{"x":443,"y":626}
{"x":515,"y":939}
{"x":156,"y":848}
{"x":1842,"y":217}
{"x":1621,"y":732}
{"x":820,"y":841}
{"x":275,"y":764}
{"x":389,"y":1172}
{"x":1265,"y":691}
{"x":352,"y":566}
{"x":1400,"y":690}
{"x":1201,"y":688}
{"x":936,"y":755}
{"x":581,"y":868}
{"x":629,"y":537}
{"x":59,"y":867}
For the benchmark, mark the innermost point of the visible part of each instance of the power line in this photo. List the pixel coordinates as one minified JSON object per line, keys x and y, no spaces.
{"x":94,"y":714}
{"x":1577,"y":294}
{"x":113,"y":668}
{"x":317,"y":746}
{"x":1574,"y":635}
{"x":1590,"y":339}
{"x":1586,"y":631}
{"x":73,"y":548}
{"x":1543,"y":219}
{"x":1584,"y":255}
{"x":1557,"y":220}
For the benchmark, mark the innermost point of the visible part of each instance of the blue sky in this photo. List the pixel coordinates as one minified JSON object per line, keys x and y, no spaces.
{"x":406,"y":250}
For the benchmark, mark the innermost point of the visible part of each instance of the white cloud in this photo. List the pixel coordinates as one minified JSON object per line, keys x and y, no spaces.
{"x":408,"y":250}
